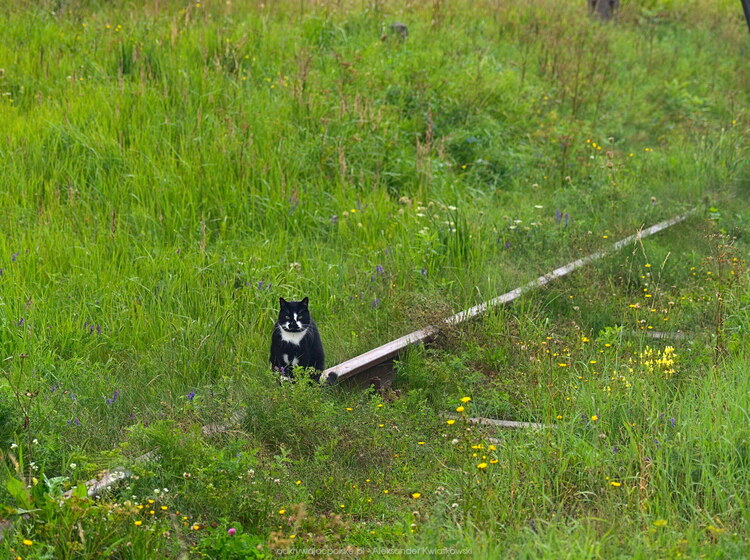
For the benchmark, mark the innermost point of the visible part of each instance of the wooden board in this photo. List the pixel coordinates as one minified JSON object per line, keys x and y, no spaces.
{"x":387,"y":352}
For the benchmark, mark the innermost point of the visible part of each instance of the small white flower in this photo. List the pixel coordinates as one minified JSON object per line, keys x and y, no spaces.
{"x":34,"y":441}
{"x":13,"y":445}
{"x":73,"y":465}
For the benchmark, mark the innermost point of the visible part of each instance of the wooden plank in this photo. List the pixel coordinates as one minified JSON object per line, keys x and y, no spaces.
{"x":507,"y":423}
{"x":106,"y":479}
{"x":390,"y":350}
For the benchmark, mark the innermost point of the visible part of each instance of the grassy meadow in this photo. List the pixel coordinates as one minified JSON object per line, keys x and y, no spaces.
{"x":169,"y":169}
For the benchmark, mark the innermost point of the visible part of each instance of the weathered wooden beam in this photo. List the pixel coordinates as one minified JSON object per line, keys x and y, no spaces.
{"x":108,"y":478}
{"x":499,"y":423}
{"x":390,"y":350}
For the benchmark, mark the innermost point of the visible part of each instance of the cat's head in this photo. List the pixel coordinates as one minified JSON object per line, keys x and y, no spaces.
{"x":294,"y":316}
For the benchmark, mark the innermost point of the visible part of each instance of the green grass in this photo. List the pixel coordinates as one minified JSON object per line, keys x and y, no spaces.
{"x":170,"y":169}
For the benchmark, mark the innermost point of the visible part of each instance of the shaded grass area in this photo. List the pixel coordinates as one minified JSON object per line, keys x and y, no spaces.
{"x":170,"y":170}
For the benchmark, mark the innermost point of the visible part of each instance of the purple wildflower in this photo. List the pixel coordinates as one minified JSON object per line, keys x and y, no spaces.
{"x":114,"y":397}
{"x":380,"y":270}
{"x":191,"y":395}
{"x":375,"y":302}
{"x":13,"y":257}
{"x":20,"y":322}
{"x":558,"y":216}
{"x":566,"y":219}
{"x":74,"y":422}
{"x":423,"y":272}
{"x":673,"y":422}
{"x":98,"y":329}
{"x":179,"y":251}
{"x":508,"y":244}
{"x":231,"y":532}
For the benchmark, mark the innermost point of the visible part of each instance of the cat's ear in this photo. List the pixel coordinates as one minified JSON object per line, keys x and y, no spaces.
{"x":304,"y":302}
{"x":282,"y":302}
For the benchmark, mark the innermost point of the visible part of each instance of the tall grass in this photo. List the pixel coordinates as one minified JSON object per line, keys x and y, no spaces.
{"x":170,"y":169}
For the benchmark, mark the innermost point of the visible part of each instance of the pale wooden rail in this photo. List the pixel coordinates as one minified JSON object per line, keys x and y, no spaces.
{"x":387,"y":352}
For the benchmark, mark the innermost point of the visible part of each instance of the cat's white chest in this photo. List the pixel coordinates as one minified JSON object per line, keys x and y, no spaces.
{"x":292,"y":337}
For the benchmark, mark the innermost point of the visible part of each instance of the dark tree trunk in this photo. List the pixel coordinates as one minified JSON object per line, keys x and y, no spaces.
{"x":604,"y":9}
{"x":746,"y":9}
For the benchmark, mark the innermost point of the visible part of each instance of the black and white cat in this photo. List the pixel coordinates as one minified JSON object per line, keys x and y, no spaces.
{"x":295,"y":340}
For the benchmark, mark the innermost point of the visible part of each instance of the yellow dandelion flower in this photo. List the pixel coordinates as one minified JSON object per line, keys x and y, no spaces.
{"x":465,"y":399}
{"x":660,"y":523}
{"x":27,"y":542}
{"x":416,"y":495}
{"x":615,"y":483}
{"x":559,"y":417}
{"x":282,"y":511}
{"x":196,"y":527}
{"x":164,"y":508}
{"x":594,"y":418}
{"x":450,"y":422}
{"x":138,"y":523}
{"x":460,"y":409}
{"x":482,"y":466}
{"x":298,"y":482}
